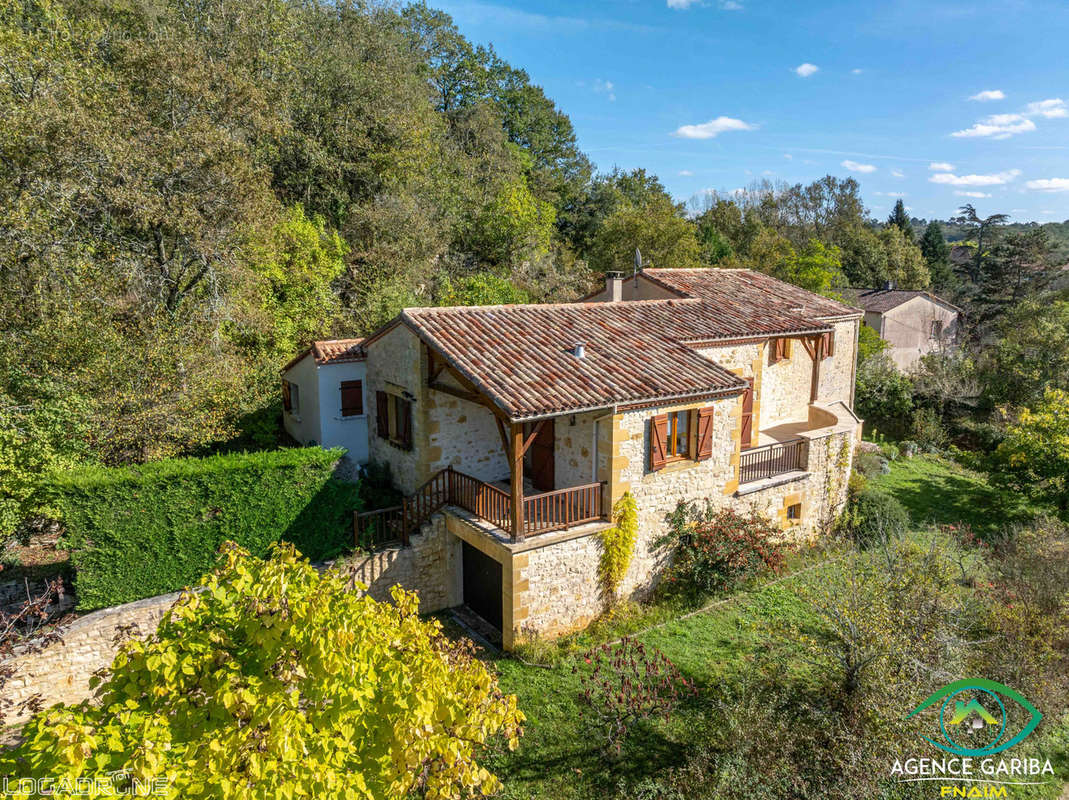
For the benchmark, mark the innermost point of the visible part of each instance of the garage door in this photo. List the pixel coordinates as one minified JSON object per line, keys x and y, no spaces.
{"x":482,"y":585}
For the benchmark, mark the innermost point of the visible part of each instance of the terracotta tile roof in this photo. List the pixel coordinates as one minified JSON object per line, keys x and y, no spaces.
{"x":752,"y":296}
{"x":523,"y":358}
{"x":332,"y":351}
{"x":882,"y":300}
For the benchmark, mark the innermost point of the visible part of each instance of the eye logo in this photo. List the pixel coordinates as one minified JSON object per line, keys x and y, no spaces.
{"x":973,"y":717}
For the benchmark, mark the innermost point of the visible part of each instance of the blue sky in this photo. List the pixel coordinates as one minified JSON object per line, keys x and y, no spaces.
{"x":939,"y":102}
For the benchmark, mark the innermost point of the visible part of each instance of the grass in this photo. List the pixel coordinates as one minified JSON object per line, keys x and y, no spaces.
{"x":716,"y":648}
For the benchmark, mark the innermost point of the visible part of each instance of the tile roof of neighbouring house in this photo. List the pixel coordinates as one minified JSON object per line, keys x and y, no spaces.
{"x":748,"y":292}
{"x":522,"y":356}
{"x":332,"y":351}
{"x":880,"y":301}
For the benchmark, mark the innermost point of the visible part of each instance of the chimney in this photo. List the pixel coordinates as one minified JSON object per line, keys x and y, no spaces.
{"x":614,"y":282}
{"x":579,"y":351}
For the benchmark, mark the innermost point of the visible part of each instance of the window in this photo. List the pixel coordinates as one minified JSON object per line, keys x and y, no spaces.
{"x":393,"y":417}
{"x":937,"y":329}
{"x":352,"y":398}
{"x":779,"y":350}
{"x":291,"y":397}
{"x":679,"y":435}
{"x":794,"y":512}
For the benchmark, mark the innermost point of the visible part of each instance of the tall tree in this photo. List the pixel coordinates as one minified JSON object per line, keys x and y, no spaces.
{"x":984,"y":232}
{"x":936,"y":253}
{"x":900,"y":219}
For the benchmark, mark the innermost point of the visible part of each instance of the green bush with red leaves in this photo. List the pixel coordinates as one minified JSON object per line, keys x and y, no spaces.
{"x":717,"y":549}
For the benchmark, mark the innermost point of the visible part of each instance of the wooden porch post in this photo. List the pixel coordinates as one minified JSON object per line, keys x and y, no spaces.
{"x":516,"y":479}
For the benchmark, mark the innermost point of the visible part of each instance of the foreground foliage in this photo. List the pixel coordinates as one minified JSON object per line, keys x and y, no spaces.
{"x":272,"y":681}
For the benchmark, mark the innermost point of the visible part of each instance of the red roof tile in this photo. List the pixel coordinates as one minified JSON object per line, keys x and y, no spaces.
{"x":332,"y":351}
{"x":880,"y":301}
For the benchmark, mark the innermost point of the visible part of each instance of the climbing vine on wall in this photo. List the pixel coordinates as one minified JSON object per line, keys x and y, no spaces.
{"x":618,"y":545}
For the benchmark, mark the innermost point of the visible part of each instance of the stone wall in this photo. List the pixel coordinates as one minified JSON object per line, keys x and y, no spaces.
{"x":465,"y":436}
{"x":574,"y":449}
{"x":60,"y":673}
{"x":837,"y":373}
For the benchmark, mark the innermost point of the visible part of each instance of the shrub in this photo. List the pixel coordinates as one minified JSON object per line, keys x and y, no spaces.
{"x":927,"y":430}
{"x":377,"y":489}
{"x":868,"y":463}
{"x":716,"y":549}
{"x":141,"y":531}
{"x":278,"y":681}
{"x":890,"y":451}
{"x":618,"y":545}
{"x":876,"y":518}
{"x":908,"y":448}
{"x":628,"y":684}
{"x":884,"y":395}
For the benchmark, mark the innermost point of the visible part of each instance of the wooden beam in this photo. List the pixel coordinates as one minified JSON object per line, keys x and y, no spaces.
{"x":530,"y":439}
{"x":469,"y":391}
{"x":814,"y":386}
{"x":504,"y":437}
{"x":434,"y":367}
{"x":463,"y":394}
{"x":516,"y":478}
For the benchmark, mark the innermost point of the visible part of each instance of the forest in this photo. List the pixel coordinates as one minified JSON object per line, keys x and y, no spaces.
{"x":192,"y":191}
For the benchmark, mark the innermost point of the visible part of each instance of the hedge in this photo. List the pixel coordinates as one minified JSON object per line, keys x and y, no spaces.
{"x":145,"y":530}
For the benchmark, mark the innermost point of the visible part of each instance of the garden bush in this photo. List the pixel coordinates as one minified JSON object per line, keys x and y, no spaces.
{"x":868,"y":463}
{"x":145,"y":530}
{"x":717,"y":549}
{"x":876,"y":518}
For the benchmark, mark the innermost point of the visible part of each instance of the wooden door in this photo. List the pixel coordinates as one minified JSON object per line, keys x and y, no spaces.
{"x":482,"y":584}
{"x":747,"y":416}
{"x":543,"y":475}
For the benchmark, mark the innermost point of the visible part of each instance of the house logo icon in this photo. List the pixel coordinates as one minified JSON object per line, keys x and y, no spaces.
{"x":973,"y":717}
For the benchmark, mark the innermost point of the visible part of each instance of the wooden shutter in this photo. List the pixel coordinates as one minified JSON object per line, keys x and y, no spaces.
{"x":404,"y":423}
{"x":658,"y":441}
{"x":705,"y":433}
{"x":352,"y":398}
{"x":829,"y":345}
{"x":382,"y":414}
{"x":287,"y":404}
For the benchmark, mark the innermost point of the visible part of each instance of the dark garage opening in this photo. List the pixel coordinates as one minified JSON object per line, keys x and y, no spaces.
{"x":482,"y":585}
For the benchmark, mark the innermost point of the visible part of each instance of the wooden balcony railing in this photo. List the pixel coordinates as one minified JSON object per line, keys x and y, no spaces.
{"x":545,"y":512}
{"x":562,"y":508}
{"x":760,"y":463}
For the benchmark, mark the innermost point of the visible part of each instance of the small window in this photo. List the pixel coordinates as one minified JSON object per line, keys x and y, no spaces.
{"x":679,"y":434}
{"x":794,"y":512}
{"x":394,"y":419}
{"x":352,"y":398}
{"x":937,"y":329}
{"x":291,"y":397}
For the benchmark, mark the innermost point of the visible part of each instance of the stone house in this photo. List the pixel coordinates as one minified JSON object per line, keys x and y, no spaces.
{"x":913,"y":323}
{"x":512,"y":431}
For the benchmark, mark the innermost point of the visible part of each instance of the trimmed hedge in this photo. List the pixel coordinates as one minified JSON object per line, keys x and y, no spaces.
{"x":145,"y":530}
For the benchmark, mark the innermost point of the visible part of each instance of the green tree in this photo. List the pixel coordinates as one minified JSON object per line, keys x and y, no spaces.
{"x":1034,"y":457}
{"x":869,"y":344}
{"x":983,"y":231}
{"x":481,"y":289}
{"x":1019,"y":265}
{"x":884,"y":395}
{"x":900,"y":219}
{"x":936,"y":253}
{"x":273,"y":680}
{"x":1030,"y":353}
{"x":658,"y":228}
{"x":906,"y":267}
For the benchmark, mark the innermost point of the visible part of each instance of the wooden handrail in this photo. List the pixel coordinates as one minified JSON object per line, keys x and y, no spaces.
{"x":767,"y":461}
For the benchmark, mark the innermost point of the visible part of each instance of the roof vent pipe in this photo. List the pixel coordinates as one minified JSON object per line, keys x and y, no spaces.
{"x":579,"y":351}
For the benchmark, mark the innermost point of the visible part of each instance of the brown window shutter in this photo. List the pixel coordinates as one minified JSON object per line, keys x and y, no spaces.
{"x":406,"y":424}
{"x":705,"y":433}
{"x":829,"y":346}
{"x":287,"y":404}
{"x":658,"y":441}
{"x":382,"y":414}
{"x":352,"y":398}
{"x":773,"y":351}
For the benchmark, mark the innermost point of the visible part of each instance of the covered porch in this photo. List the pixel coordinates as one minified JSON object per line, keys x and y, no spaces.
{"x":783,"y":449}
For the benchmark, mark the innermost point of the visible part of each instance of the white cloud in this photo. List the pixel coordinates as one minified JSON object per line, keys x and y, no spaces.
{"x":891,"y":194}
{"x":998,"y":126}
{"x":1050,"y":185}
{"x":1054,"y":108}
{"x":941,"y":166}
{"x":788,"y":156}
{"x":730,"y":5}
{"x":989,"y":94}
{"x":856,"y":71}
{"x":682,"y":4}
{"x":897,"y":173}
{"x":995,"y":179}
{"x":685,"y":173}
{"x":710,"y":129}
{"x":806,"y":69}
{"x":853,"y":166}
{"x":607,"y":88}
{"x":961,"y":193}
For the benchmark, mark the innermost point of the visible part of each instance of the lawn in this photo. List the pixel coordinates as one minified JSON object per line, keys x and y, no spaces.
{"x":558,"y":758}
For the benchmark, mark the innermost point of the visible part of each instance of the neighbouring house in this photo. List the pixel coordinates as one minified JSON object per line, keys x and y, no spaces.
{"x":512,"y":431}
{"x":913,"y":323}
{"x":323,"y":398}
